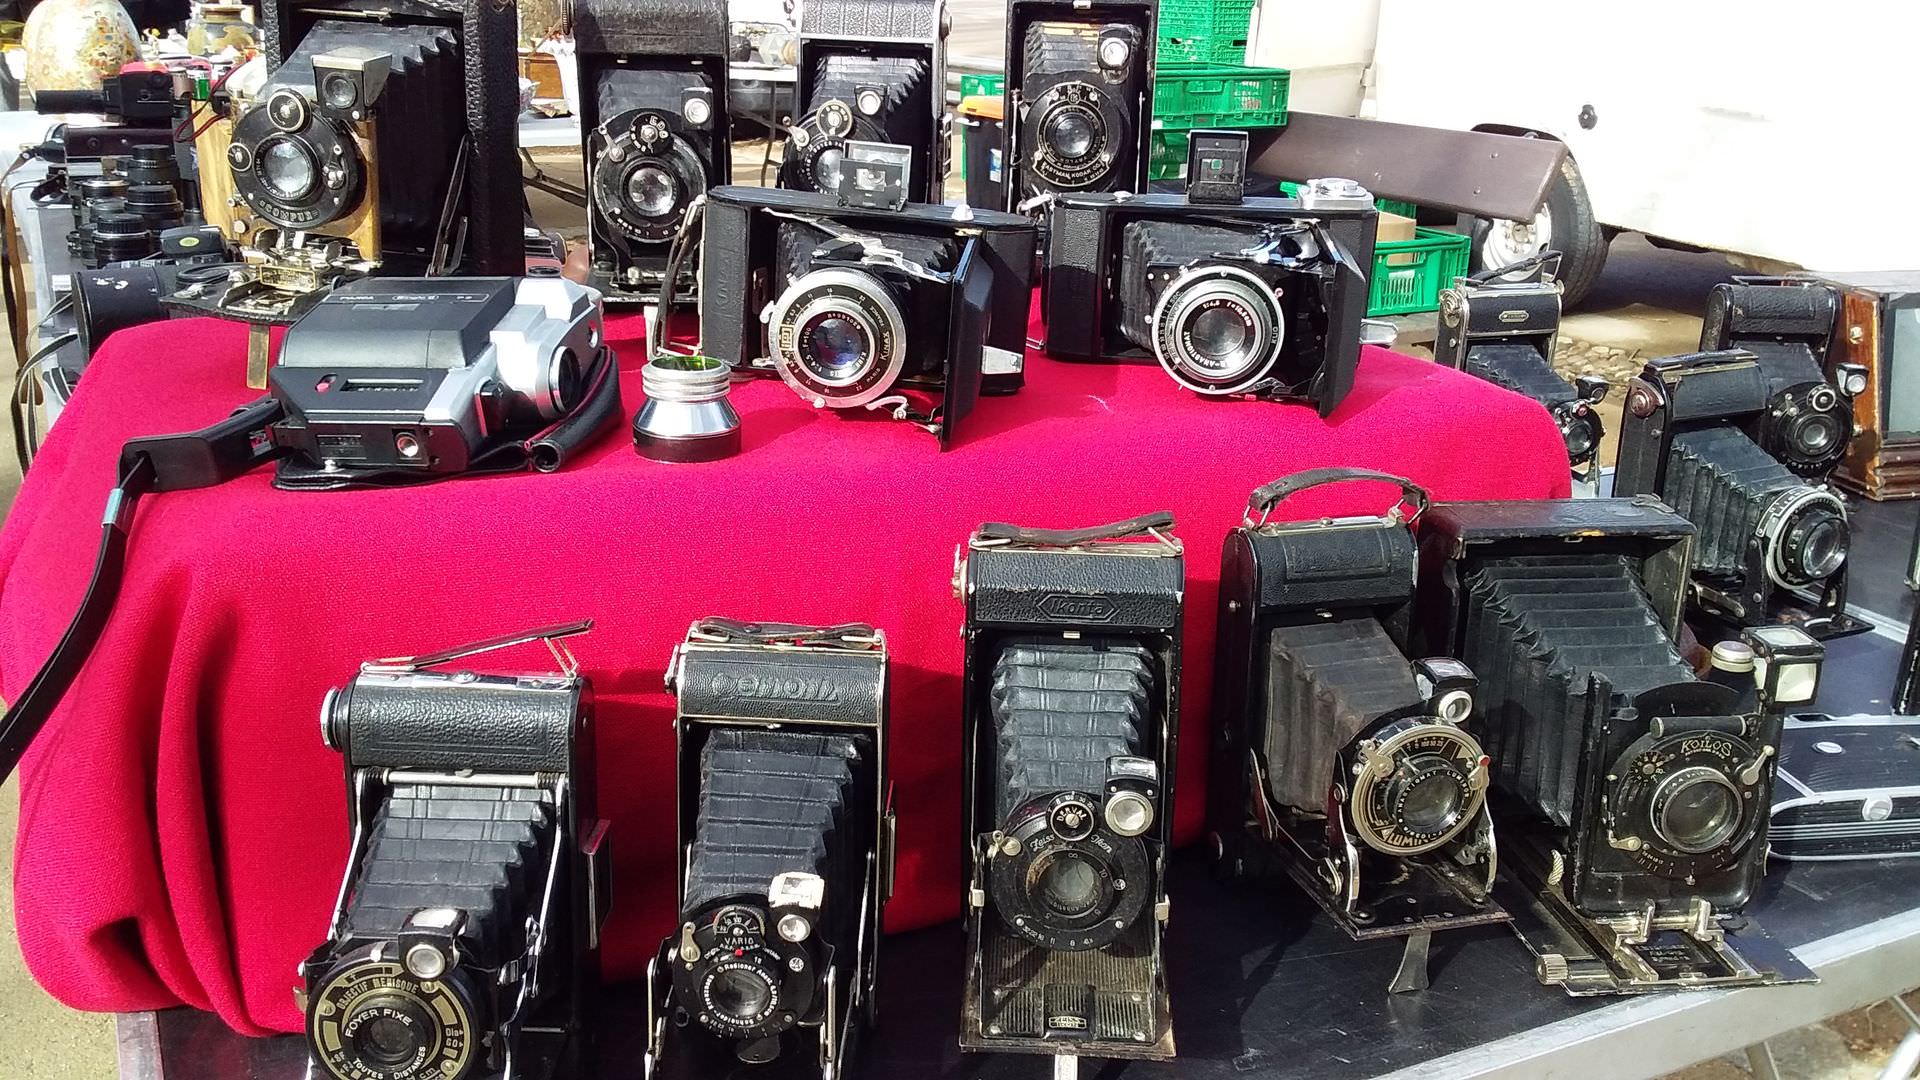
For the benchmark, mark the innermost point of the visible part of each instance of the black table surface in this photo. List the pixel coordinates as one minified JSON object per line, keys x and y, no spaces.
{"x":1263,"y":985}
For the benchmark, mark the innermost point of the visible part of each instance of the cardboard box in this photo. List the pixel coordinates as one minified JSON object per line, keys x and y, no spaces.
{"x":1394,"y":228}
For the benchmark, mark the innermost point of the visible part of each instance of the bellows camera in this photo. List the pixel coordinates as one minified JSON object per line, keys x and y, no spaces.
{"x":1263,"y":297}
{"x":1633,"y":795}
{"x":654,"y":113}
{"x":1079,"y":96}
{"x":390,"y":126}
{"x":787,"y":846}
{"x":405,"y":378}
{"x":861,"y":301}
{"x":1337,"y":758}
{"x":1504,"y":332}
{"x":466,"y":939}
{"x":1740,"y":445}
{"x":870,"y":72}
{"x":1070,"y":719}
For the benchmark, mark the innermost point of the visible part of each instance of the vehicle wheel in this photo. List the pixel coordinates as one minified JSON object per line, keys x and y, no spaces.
{"x":1565,"y":224}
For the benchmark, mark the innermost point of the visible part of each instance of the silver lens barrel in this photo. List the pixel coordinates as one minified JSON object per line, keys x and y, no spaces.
{"x":1217,"y":329}
{"x":838,"y":337}
{"x":686,"y":416}
{"x":1803,"y":533}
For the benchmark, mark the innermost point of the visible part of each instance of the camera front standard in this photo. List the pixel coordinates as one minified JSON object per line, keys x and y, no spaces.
{"x":1079,"y":97}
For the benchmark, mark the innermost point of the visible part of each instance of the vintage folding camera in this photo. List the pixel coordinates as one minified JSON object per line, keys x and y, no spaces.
{"x":1738,"y":445}
{"x":1631,"y":795}
{"x":1070,"y":718}
{"x":1848,"y":789}
{"x":653,"y":115}
{"x":787,"y":843}
{"x":1079,"y":96}
{"x":1262,"y":296}
{"x":389,"y":125}
{"x":466,"y":938}
{"x":870,"y":73}
{"x":1336,"y":758}
{"x":864,"y":301}
{"x":1504,"y":332}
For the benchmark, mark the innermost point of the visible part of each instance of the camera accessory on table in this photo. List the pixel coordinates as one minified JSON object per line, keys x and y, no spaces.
{"x":870,"y":73}
{"x":1070,"y":719}
{"x":1079,"y":97}
{"x":1742,"y":441}
{"x":465,"y":943}
{"x":1339,"y":759}
{"x":654,"y":119}
{"x":864,"y":301}
{"x":781,"y":747}
{"x":1631,"y":795}
{"x":1848,"y":788}
{"x":1262,"y":297}
{"x":386,"y":382}
{"x":1504,"y":331}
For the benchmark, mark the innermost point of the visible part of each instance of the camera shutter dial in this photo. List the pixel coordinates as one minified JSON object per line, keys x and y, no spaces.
{"x":1808,"y":428}
{"x":294,"y":167}
{"x":1805,"y":536}
{"x":1683,"y":806}
{"x":838,"y":337}
{"x":1072,"y":130}
{"x":1064,"y":880}
{"x":1417,"y":786}
{"x":646,"y":176}
{"x":373,"y":1020}
{"x":1218,"y":329}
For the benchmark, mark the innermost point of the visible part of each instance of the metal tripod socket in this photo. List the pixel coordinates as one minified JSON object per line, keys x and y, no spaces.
{"x":686,"y":416}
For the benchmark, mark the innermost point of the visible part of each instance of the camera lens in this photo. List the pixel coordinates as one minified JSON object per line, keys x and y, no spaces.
{"x":1817,"y":545}
{"x":1696,"y":809}
{"x":159,"y":204}
{"x":152,"y":163}
{"x":1067,"y":885}
{"x":826,"y":169}
{"x":288,"y":169}
{"x":1070,"y":134}
{"x":651,"y":191}
{"x":1217,"y":329}
{"x":120,"y":237}
{"x":1580,"y":430}
{"x":1814,"y":435}
{"x":1431,"y":800}
{"x":740,"y":993}
{"x":389,"y":1031}
{"x":338,"y":91}
{"x":836,"y":347}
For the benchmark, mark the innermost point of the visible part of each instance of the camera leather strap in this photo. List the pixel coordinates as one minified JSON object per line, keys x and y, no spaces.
{"x":1268,"y":496}
{"x":859,"y":635}
{"x":1119,"y":530}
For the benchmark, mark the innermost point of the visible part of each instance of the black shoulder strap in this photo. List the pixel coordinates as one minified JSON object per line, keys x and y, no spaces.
{"x":1119,"y":530}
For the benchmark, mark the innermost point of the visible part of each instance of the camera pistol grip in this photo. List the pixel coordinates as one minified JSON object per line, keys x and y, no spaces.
{"x":212,"y":455}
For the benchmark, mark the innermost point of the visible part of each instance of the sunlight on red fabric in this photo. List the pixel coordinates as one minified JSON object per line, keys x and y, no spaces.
{"x":182,"y":828}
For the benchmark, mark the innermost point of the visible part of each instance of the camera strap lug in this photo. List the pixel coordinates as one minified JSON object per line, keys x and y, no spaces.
{"x":553,"y":637}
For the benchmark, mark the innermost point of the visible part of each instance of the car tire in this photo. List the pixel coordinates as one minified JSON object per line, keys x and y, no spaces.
{"x":1579,"y":238}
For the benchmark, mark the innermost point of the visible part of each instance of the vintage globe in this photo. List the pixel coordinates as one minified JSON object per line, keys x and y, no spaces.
{"x":74,"y":44}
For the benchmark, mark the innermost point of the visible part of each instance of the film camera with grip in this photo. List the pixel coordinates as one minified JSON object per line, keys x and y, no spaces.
{"x":858,"y":302}
{"x":391,"y":126}
{"x":1504,"y":332}
{"x":872,"y":71}
{"x":466,"y":938}
{"x":654,"y":116}
{"x":1079,"y":96}
{"x":1262,"y":297}
{"x":781,"y":737}
{"x":1741,"y":443}
{"x":1631,"y":794}
{"x":1070,"y":720}
{"x":1338,"y":758}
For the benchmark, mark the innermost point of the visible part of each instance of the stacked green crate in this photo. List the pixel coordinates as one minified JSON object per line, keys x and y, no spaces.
{"x":1191,"y":96}
{"x":1204,"y":31}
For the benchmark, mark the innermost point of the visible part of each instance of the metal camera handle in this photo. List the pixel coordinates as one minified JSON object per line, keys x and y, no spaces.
{"x":1261,"y":504}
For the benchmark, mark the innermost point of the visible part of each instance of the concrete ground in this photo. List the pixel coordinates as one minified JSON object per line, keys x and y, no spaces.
{"x":1647,"y":304}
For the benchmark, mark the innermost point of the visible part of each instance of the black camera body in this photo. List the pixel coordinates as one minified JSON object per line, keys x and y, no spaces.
{"x":138,"y":103}
{"x":781,"y":736}
{"x":1070,"y":718}
{"x":870,"y":71}
{"x":1264,"y":297}
{"x":414,"y":377}
{"x":1338,"y":757}
{"x":466,"y":939}
{"x":1504,"y":332}
{"x":653,"y":117}
{"x":867,"y":303}
{"x":1633,"y":795}
{"x":1698,"y":432}
{"x":1787,"y":324}
{"x":1079,"y":96}
{"x":392,"y":125}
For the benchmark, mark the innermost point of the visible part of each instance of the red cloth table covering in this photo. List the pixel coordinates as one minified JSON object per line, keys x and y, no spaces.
{"x":182,"y":828}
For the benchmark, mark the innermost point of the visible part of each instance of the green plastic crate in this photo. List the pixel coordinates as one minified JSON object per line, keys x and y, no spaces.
{"x":1214,"y":95}
{"x":1204,"y":31}
{"x":1168,"y":158}
{"x":982,"y":85}
{"x":1438,"y":258}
